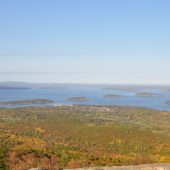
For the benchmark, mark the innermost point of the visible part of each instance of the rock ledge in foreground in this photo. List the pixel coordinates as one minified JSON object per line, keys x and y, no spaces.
{"x":135,"y":167}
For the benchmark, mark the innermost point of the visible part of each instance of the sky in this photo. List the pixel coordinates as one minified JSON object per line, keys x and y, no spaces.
{"x":85,"y":41}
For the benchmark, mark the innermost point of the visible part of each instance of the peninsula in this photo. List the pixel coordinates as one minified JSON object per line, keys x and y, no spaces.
{"x":26,"y":102}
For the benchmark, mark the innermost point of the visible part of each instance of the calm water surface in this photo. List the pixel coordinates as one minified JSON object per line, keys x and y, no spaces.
{"x":93,"y":94}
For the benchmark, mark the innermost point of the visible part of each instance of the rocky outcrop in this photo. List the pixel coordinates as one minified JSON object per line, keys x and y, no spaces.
{"x":136,"y":167}
{"x":35,"y":169}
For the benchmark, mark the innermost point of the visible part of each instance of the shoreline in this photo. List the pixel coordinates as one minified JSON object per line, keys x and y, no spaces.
{"x":55,"y":105}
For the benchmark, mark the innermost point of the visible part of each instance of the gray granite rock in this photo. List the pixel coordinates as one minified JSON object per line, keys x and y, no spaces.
{"x":137,"y":167}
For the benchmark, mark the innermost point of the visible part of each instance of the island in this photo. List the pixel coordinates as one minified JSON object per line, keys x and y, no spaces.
{"x":146,"y":94}
{"x":167,"y":102}
{"x":112,"y":96}
{"x":123,"y":87}
{"x":77,"y":99}
{"x":26,"y":102}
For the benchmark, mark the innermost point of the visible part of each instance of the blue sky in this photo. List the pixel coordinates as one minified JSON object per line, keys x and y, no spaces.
{"x":85,"y":41}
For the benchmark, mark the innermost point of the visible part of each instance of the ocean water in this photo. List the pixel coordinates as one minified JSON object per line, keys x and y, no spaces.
{"x":93,"y":94}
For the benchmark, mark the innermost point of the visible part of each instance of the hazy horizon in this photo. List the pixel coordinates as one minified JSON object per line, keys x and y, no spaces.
{"x":85,"y":83}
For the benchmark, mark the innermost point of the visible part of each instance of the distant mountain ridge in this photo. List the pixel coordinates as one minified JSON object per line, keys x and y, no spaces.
{"x":132,"y":87}
{"x":24,"y":85}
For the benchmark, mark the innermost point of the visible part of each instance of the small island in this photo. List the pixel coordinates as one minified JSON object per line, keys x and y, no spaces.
{"x":27,"y":102}
{"x":77,"y":99}
{"x":146,"y":94}
{"x":167,"y":102}
{"x":112,"y":96}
